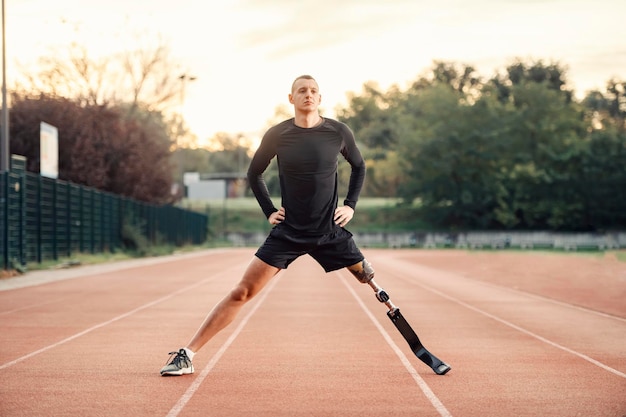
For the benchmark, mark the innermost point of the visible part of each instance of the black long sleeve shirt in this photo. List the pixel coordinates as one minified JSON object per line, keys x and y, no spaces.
{"x":307,"y":167}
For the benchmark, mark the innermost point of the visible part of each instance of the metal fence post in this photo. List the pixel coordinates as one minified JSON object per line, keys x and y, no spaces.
{"x":4,"y":220}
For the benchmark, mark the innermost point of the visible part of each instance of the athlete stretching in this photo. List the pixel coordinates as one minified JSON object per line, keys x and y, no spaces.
{"x":309,"y":221}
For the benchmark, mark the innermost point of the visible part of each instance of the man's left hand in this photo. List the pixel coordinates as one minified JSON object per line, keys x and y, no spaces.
{"x":343,"y":215}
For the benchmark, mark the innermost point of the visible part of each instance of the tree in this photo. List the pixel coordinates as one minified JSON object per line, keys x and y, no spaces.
{"x":545,"y":147}
{"x":515,"y":151}
{"x":552,"y":75}
{"x":602,"y":174}
{"x":143,"y":77}
{"x":372,"y":118}
{"x":450,"y":156}
{"x":231,"y":153}
{"x":608,"y":109}
{"x":100,"y":147}
{"x":135,"y":91}
{"x":368,"y":116}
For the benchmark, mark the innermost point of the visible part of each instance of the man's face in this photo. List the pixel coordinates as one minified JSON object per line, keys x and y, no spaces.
{"x":305,"y":95}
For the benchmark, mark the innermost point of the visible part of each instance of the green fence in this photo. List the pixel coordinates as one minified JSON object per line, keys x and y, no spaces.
{"x":43,"y":218}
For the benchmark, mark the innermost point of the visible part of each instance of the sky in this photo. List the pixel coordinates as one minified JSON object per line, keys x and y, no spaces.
{"x":244,"y":54}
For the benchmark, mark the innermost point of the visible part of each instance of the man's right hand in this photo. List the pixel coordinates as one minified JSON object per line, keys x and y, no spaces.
{"x":277,"y":216}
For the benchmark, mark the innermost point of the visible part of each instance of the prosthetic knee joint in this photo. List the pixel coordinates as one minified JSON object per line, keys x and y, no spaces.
{"x":365,"y":274}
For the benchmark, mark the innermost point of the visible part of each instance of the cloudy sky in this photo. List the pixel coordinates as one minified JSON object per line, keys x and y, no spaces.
{"x":245,"y":53}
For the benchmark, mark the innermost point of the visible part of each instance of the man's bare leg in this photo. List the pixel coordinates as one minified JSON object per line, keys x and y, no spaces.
{"x":257,"y":275}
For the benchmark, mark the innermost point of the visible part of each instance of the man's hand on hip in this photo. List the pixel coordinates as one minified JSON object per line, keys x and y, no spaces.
{"x":343,"y":215}
{"x":277,"y":216}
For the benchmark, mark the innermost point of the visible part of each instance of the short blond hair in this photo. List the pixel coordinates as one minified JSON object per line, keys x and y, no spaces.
{"x":302,"y":77}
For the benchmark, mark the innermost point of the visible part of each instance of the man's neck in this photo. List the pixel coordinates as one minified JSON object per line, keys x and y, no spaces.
{"x":308,"y":120}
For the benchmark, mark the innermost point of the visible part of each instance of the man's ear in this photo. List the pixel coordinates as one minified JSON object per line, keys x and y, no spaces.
{"x":291,"y":98}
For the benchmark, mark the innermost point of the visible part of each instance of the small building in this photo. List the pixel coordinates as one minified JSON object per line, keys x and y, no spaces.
{"x":216,"y":186}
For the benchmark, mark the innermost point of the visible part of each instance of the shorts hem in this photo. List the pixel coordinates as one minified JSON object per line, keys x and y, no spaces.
{"x":337,"y":268}
{"x":269,"y":262}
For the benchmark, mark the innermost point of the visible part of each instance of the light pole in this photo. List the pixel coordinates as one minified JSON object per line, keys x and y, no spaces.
{"x":4,"y":136}
{"x":184,"y":78}
{"x":181,"y":159}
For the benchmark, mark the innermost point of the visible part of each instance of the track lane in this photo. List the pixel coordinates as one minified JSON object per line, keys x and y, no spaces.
{"x":309,"y":349}
{"x":527,"y":373}
{"x":541,"y":318}
{"x":79,"y":309}
{"x":111,"y":368}
{"x":341,"y":365}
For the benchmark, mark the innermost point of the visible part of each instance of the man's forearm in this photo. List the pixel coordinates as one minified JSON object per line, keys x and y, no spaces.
{"x":261,"y":193}
{"x":357,"y":177}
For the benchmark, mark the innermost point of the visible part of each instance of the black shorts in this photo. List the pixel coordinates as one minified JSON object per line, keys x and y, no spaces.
{"x":333,"y":251}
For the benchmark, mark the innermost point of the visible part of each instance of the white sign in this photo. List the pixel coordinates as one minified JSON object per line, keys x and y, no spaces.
{"x":48,"y":150}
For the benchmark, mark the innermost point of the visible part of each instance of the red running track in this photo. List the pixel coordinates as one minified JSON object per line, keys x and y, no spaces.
{"x":316,"y":344}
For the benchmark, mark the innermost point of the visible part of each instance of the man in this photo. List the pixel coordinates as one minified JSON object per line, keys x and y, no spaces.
{"x":309,"y":220}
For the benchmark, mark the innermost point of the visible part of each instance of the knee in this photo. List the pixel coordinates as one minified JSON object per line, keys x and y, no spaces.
{"x":240,"y":293}
{"x":363,"y":271}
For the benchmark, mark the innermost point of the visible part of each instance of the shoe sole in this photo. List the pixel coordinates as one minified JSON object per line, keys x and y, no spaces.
{"x":185,"y":371}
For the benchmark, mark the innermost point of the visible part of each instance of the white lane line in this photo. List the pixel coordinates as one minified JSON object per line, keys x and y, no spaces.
{"x":550,"y":300}
{"x":434,"y":400}
{"x":521,"y":329}
{"x":184,"y":399}
{"x":106,"y":323}
{"x":526,"y":293}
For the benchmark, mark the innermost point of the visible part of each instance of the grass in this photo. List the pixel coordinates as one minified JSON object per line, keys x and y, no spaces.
{"x":78,"y":259}
{"x":104,"y":257}
{"x":620,"y":255}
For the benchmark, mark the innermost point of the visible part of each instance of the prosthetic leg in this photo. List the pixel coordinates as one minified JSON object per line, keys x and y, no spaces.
{"x":364,"y":272}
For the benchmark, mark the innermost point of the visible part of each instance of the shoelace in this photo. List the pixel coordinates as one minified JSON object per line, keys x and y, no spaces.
{"x":181,"y":356}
